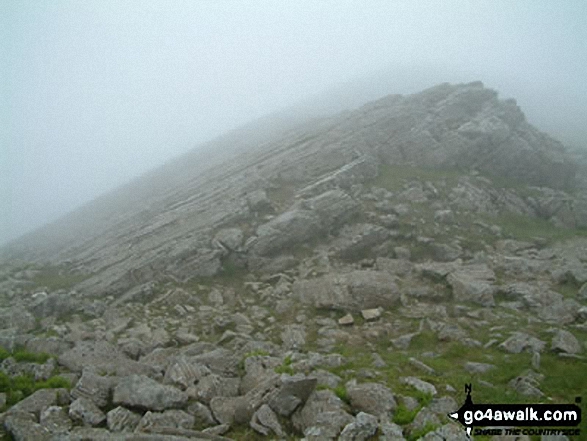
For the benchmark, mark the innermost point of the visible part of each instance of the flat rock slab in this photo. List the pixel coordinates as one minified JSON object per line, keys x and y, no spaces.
{"x":143,"y":392}
{"x":104,"y":358}
{"x":353,"y":291}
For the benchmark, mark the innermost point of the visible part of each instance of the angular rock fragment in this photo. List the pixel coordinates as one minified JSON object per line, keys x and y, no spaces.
{"x":121,"y":419}
{"x":143,"y":392}
{"x":85,"y":411}
{"x":265,"y":421}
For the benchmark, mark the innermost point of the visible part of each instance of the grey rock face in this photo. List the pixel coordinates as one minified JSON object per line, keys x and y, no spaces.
{"x":265,"y":421}
{"x":564,"y":341}
{"x":349,"y":292}
{"x":294,"y":337}
{"x":420,"y":385}
{"x":202,"y":415}
{"x":231,"y":238}
{"x":55,"y":420}
{"x":23,"y":427}
{"x":142,"y":392}
{"x":102,"y":356}
{"x":355,"y":241}
{"x":292,"y":394}
{"x":56,"y":304}
{"x":93,"y":387}
{"x":323,"y":415}
{"x":520,"y":341}
{"x":215,"y":386}
{"x":473,"y":283}
{"x":363,"y":428}
{"x":184,"y":372}
{"x":41,"y":400}
{"x":334,"y":208}
{"x":372,"y":398}
{"x":175,"y":419}
{"x":478,"y":368}
{"x":258,"y":200}
{"x":86,"y":412}
{"x":287,"y":229}
{"x":120,"y":419}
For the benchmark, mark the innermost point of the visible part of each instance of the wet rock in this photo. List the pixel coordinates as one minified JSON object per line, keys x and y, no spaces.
{"x":143,"y":392}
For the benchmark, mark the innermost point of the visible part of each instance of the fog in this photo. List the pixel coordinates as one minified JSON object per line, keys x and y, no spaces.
{"x":95,"y":93}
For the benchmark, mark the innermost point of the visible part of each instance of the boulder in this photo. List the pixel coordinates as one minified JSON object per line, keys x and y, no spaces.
{"x":564,"y":341}
{"x":85,"y":411}
{"x":174,"y":419}
{"x":355,"y":241}
{"x":93,"y":387}
{"x":520,"y":341}
{"x":372,"y":398}
{"x":265,"y":421}
{"x":354,"y":291}
{"x":121,"y":419}
{"x":419,"y":385}
{"x":288,"y":229}
{"x":55,"y":420}
{"x":473,"y":283}
{"x":143,"y":392}
{"x":322,"y":417}
{"x":103,"y":357}
{"x":362,"y":429}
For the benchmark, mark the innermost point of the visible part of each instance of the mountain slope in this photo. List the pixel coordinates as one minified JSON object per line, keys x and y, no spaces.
{"x":342,"y":277}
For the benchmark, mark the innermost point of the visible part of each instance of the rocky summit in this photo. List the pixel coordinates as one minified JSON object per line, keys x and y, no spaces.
{"x":339,"y":279}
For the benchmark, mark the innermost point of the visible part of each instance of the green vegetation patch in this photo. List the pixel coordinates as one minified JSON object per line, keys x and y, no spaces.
{"x":522,"y":227}
{"x":285,"y":367}
{"x":19,"y":387}
{"x":57,"y":277}
{"x":22,"y":355}
{"x":393,"y":177}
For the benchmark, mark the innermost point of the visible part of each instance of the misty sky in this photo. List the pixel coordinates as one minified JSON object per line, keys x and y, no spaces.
{"x":95,"y":93}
